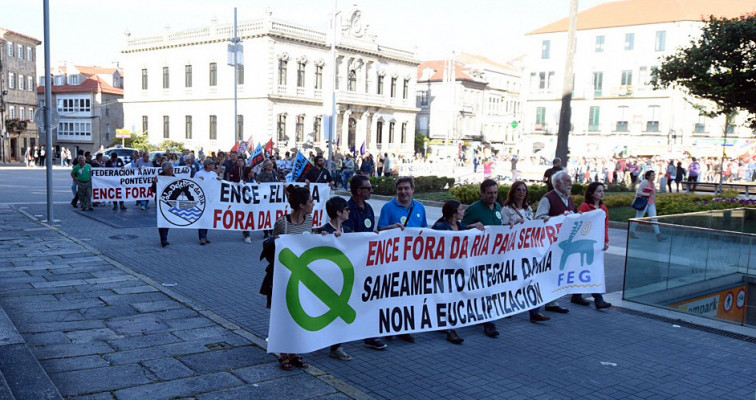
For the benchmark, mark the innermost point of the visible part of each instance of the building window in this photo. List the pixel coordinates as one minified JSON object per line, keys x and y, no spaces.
{"x":380,"y":84}
{"x":379,"y":132}
{"x":652,"y":123}
{"x":540,"y":118}
{"x":622,"y":124}
{"x":300,"y":75}
{"x":351,"y":81}
{"x":22,"y":114}
{"x":188,"y":125}
{"x":405,"y":90}
{"x":11,"y":80}
{"x":282,"y":72}
{"x":213,"y":74}
{"x":145,"y":124}
{"x":73,"y":80}
{"x":281,"y":128}
{"x":627,"y":77}
{"x":700,"y":126}
{"x":144,"y":79}
{"x":10,"y":49}
{"x":546,"y":49}
{"x":30,"y":54}
{"x":21,"y":51}
{"x":598,"y":84}
{"x":599,"y":44}
{"x":629,"y":41}
{"x":391,"y":132}
{"x":12,"y":112}
{"x":213,"y":127}
{"x":107,"y":131}
{"x":166,"y":127}
{"x":299,"y":128}
{"x":593,"y":119}
{"x":393,"y":87}
{"x":318,"y":77}
{"x":239,"y":74}
{"x":68,"y":105}
{"x":187,"y":76}
{"x":404,"y":132}
{"x":30,"y":83}
{"x":661,"y":39}
{"x":240,"y":127}
{"x":316,"y":122}
{"x":422,"y":98}
{"x":166,"y":78}
{"x":21,"y":82}
{"x":73,"y":128}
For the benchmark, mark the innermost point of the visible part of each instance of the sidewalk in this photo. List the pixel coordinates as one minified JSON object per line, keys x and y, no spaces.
{"x":97,"y":329}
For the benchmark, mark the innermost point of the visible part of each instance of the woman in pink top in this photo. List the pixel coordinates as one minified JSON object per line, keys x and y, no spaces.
{"x":647,"y":188}
{"x":594,"y":200}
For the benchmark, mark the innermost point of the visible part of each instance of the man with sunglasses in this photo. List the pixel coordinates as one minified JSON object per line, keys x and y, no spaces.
{"x":362,"y":219}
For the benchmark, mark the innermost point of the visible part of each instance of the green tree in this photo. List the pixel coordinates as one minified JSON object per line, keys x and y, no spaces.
{"x":719,"y":66}
{"x":419,"y":143}
{"x":139,"y":142}
{"x":171,"y":145}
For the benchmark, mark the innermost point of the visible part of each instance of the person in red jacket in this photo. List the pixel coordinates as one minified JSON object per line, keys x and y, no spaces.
{"x":594,"y":200}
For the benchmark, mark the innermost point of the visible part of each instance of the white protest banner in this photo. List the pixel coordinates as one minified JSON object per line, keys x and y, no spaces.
{"x":329,"y":290}
{"x":121,"y":184}
{"x":223,"y":205}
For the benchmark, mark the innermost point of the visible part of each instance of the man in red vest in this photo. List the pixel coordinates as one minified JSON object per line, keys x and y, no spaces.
{"x":557,"y":202}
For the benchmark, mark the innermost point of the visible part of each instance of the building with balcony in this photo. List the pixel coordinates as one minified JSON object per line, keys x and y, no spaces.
{"x":88,"y":100}
{"x":18,"y":101}
{"x":185,"y":87}
{"x":614,"y":107}
{"x":480,"y":105}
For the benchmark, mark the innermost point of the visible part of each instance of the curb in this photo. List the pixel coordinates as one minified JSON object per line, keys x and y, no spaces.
{"x":321,"y":375}
{"x":21,"y":374}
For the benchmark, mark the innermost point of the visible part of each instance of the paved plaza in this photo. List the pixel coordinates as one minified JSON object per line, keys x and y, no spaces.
{"x":102,"y":311}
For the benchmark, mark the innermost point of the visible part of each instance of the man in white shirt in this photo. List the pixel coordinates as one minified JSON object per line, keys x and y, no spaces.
{"x":206,"y":175}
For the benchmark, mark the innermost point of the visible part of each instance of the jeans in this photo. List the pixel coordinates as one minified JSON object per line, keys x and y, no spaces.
{"x":85,"y":194}
{"x":692,"y":181}
{"x":651,"y":210}
{"x":163,"y":235}
{"x":202,"y":233}
{"x":347,"y":176}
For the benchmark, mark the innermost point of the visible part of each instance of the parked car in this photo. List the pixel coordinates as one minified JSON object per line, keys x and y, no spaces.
{"x":126,"y":154}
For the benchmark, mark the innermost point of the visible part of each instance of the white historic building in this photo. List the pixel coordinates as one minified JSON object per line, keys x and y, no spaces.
{"x":614,"y":106}
{"x":183,"y":88}
{"x":469,"y":99}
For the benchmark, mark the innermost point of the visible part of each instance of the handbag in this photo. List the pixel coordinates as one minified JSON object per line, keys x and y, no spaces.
{"x":640,"y":203}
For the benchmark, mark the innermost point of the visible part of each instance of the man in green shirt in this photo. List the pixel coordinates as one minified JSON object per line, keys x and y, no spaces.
{"x":488,"y":212}
{"x":82,"y":174}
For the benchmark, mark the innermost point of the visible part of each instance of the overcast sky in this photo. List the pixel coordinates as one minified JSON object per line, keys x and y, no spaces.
{"x":91,"y":32}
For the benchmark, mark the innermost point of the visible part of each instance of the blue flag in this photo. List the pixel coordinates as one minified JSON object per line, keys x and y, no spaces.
{"x":301,"y":167}
{"x":257,"y":157}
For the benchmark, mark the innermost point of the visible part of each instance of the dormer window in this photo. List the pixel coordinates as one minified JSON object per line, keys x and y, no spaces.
{"x":73,"y":80}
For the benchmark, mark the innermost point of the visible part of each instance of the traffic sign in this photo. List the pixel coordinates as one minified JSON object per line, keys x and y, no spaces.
{"x":123,"y":133}
{"x":39,"y":118}
{"x":514,"y":124}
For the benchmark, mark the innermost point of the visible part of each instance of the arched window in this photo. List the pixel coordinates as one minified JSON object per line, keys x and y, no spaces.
{"x":299,"y":128}
{"x":281,"y":128}
{"x":352,"y":81}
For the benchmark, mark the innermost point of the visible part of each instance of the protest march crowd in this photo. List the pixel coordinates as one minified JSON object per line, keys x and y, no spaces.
{"x":356,"y":213}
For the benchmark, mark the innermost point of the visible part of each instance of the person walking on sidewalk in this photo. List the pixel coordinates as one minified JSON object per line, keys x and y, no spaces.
{"x":594,"y":200}
{"x":165,"y":170}
{"x":207,"y":175}
{"x":82,"y":174}
{"x":116,"y":162}
{"x":488,"y":212}
{"x":516,"y":210}
{"x":451,"y":220}
{"x":557,"y":202}
{"x":647,"y":188}
{"x":693,"y":170}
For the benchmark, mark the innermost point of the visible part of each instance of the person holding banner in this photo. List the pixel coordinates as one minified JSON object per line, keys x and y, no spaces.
{"x":557,"y":202}
{"x":488,"y":212}
{"x":116,"y":162}
{"x":594,"y":200}
{"x":516,"y":210}
{"x":82,"y":174}
{"x":298,"y":222}
{"x":166,"y":170}
{"x":208,"y":175}
{"x":403,"y":212}
{"x":451,"y":220}
{"x":320,"y":173}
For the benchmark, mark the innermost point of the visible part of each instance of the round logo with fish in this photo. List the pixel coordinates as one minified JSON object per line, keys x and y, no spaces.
{"x":182,"y":202}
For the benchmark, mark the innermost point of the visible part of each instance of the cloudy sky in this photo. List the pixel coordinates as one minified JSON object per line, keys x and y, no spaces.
{"x":91,"y":32}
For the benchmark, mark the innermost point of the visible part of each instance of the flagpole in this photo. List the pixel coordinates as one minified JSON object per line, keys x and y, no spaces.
{"x":333,"y":92}
{"x":236,"y":77}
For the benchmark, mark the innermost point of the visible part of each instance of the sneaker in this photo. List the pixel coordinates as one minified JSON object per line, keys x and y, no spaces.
{"x":340,"y":354}
{"x":602,"y":304}
{"x":249,"y":240}
{"x":375,"y":344}
{"x":202,"y":242}
{"x":661,"y":237}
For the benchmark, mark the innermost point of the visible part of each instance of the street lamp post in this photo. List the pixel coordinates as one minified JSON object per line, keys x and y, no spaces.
{"x":48,"y":102}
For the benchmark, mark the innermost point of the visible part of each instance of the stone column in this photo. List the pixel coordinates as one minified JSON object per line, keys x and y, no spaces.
{"x":345,"y":131}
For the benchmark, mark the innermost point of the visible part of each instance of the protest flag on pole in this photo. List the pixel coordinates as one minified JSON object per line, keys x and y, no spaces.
{"x":363,"y":149}
{"x":301,"y":167}
{"x":257,"y":157}
{"x":269,"y":147}
{"x":236,"y":147}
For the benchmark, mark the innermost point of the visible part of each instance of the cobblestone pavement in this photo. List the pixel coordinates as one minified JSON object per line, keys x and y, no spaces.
{"x":584,"y":354}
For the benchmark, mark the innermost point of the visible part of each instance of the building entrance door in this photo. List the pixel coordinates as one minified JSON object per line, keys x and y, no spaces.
{"x":14,"y":149}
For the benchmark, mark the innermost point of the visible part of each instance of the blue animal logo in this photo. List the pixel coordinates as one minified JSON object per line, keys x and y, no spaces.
{"x":583,"y":248}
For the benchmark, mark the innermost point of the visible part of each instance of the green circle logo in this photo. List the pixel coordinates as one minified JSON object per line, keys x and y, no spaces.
{"x":338,"y":304}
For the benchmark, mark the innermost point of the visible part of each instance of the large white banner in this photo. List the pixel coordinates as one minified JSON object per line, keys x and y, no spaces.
{"x":329,"y":290}
{"x":122,"y":184}
{"x":198,"y":204}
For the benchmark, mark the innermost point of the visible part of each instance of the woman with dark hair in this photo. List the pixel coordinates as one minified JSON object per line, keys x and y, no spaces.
{"x":516,"y":210}
{"x":451,"y":220}
{"x":679,"y":175}
{"x":594,"y":200}
{"x":298,"y":222}
{"x":647,"y":188}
